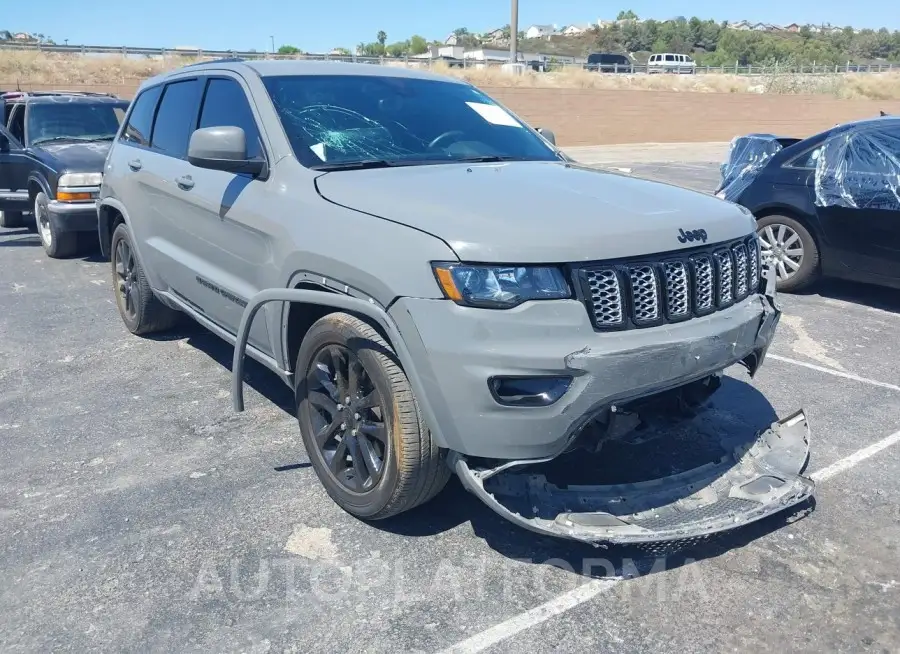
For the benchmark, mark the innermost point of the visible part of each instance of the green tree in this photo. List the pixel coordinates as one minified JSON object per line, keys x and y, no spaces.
{"x":289,"y":50}
{"x":627,"y":15}
{"x":344,"y":52}
{"x":417,"y":45}
{"x":381,"y":37}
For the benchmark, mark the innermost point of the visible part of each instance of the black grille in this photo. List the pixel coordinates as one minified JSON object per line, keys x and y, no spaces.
{"x":670,"y":287}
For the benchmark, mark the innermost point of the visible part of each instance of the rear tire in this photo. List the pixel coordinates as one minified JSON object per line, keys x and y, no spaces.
{"x":140,"y":309}
{"x":12,"y":219}
{"x":794,"y":249}
{"x":57,"y":243}
{"x":374,"y":454}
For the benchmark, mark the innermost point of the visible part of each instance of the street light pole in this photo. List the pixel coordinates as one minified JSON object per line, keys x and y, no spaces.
{"x":514,"y":33}
{"x":272,"y":39}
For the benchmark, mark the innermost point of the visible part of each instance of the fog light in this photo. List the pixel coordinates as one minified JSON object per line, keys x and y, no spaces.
{"x":528,"y":391}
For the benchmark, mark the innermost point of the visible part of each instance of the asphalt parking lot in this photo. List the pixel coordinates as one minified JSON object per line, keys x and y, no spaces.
{"x":138,"y":512}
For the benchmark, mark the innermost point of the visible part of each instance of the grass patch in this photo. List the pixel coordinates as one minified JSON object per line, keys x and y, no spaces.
{"x":35,"y":70}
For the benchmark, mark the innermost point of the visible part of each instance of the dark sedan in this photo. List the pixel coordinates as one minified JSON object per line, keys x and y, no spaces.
{"x":826,"y":206}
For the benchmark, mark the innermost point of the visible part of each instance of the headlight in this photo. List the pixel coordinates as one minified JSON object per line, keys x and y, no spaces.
{"x":500,"y":287}
{"x":81,"y":179}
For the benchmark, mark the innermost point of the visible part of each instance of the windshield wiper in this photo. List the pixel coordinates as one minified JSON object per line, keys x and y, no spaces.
{"x":80,"y":139}
{"x":494,"y":158}
{"x":356,"y":165}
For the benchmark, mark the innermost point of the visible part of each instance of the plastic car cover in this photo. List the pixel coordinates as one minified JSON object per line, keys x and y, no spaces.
{"x":747,"y":155}
{"x":860,"y":170}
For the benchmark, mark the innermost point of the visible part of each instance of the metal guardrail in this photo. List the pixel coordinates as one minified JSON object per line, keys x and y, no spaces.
{"x":543,"y":66}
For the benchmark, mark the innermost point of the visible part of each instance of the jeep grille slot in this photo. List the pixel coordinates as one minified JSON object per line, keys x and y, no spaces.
{"x":605,"y":297}
{"x":704,"y":283}
{"x":672,"y":287}
{"x":644,"y":293}
{"x":724,"y":277}
{"x":678,"y":298}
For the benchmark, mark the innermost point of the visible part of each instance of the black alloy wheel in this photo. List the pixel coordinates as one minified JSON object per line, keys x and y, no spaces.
{"x":347,"y":418}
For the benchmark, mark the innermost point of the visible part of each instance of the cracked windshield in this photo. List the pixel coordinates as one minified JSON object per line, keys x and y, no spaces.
{"x":348,"y":120}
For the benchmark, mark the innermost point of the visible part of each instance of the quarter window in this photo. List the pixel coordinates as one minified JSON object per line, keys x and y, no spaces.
{"x":137,"y":130}
{"x":176,"y":118}
{"x":225,"y":105}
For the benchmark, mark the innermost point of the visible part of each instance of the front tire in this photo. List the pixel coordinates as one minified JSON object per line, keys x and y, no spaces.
{"x":794,"y":250}
{"x":12,"y":219}
{"x":360,"y":422}
{"x":57,"y":243}
{"x":140,"y":309}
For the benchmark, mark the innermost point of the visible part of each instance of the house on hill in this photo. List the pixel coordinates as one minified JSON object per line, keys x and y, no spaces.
{"x":540,"y":31}
{"x":575,"y":30}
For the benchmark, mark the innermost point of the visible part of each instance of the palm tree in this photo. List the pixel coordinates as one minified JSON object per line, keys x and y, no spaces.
{"x":381,"y":37}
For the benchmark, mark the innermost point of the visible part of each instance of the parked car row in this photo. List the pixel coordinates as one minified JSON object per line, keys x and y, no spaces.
{"x":381,"y":240}
{"x":827,"y":205}
{"x":52,"y":149}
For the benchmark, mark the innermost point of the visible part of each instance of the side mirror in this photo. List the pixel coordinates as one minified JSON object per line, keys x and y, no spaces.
{"x":223,"y":148}
{"x":547,"y":134}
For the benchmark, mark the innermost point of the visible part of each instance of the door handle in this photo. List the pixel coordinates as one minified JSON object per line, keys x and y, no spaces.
{"x":135,"y":164}
{"x":186,"y":183}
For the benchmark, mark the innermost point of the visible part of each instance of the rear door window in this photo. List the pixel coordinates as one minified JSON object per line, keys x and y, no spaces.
{"x":670,"y":58}
{"x":176,"y":118}
{"x":225,"y":105}
{"x":137,"y":131}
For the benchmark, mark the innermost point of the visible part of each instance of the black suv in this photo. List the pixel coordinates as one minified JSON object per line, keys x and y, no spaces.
{"x":608,"y":62}
{"x":53,"y":147}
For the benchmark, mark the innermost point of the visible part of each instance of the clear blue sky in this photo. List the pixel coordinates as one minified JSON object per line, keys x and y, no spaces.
{"x":317,"y":25}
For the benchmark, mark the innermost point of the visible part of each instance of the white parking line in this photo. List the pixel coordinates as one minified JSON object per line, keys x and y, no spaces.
{"x":559,"y":604}
{"x":836,"y":373}
{"x":848,"y":462}
{"x":587,"y":591}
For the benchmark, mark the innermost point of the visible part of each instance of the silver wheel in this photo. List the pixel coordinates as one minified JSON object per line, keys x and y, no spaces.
{"x":782,"y":246}
{"x":42,"y":220}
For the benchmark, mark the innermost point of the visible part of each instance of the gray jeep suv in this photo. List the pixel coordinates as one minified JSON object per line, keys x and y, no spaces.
{"x":444,"y":291}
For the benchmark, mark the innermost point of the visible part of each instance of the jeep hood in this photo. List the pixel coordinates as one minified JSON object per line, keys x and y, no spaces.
{"x":530,"y":212}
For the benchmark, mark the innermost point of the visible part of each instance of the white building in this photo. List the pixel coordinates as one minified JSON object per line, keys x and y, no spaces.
{"x":540,"y":31}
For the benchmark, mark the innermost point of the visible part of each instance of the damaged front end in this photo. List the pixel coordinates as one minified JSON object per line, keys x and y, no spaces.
{"x":750,"y":482}
{"x":746,"y":479}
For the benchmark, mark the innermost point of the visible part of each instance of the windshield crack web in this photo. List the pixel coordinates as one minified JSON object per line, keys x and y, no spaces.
{"x":339,"y":133}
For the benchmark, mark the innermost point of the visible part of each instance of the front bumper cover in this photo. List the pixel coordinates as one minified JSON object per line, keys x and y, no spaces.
{"x":747,"y":485}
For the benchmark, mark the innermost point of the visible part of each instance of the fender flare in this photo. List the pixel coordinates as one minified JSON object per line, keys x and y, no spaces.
{"x":338,"y":301}
{"x":43,"y":183}
{"x":103,"y":232}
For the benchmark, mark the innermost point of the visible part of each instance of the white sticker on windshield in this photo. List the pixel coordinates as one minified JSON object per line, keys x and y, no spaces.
{"x":319,"y":150}
{"x":494,"y":114}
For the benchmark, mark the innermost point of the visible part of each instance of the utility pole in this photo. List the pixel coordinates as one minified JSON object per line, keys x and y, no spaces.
{"x":514,"y":33}
{"x":272,"y":39}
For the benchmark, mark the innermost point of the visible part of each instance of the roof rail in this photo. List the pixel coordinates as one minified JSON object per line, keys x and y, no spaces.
{"x":36,"y":94}
{"x":224,"y":60}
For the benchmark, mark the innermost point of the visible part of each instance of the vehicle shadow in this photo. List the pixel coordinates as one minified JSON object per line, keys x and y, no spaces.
{"x":875,"y":297}
{"x":742,"y":406}
{"x":19,"y":237}
{"x":256,"y":376}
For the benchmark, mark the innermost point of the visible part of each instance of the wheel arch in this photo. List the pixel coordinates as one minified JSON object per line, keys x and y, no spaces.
{"x":299,"y":317}
{"x":790,"y":212}
{"x":37,"y":184}
{"x":110,"y":214}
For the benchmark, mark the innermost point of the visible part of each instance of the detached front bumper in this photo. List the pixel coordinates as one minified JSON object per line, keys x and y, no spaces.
{"x":74,"y":216}
{"x":456,"y":350}
{"x":750,"y":484}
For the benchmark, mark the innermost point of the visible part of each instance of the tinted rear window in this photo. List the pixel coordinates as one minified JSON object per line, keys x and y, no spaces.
{"x":176,"y":117}
{"x":141,"y":120}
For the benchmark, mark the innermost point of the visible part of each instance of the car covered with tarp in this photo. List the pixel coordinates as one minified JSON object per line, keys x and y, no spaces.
{"x":827,"y":205}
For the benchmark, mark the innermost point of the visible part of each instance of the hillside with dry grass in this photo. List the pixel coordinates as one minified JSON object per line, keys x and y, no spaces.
{"x":41,"y":71}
